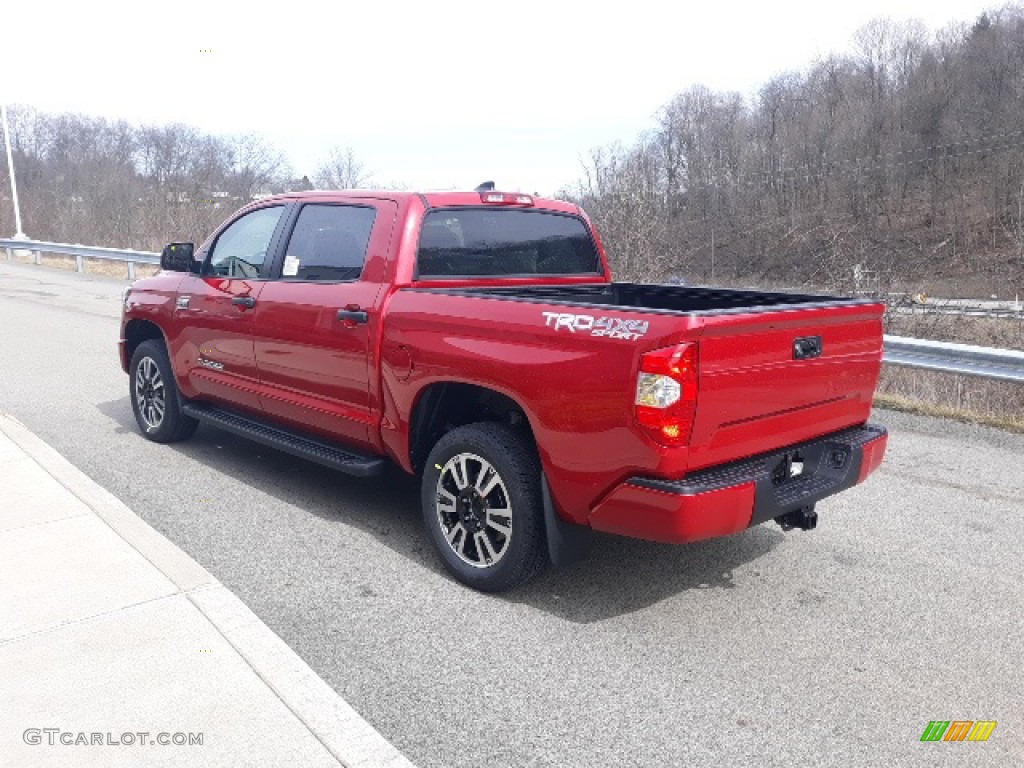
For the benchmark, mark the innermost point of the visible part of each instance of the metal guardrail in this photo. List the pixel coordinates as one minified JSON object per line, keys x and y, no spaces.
{"x":80,"y":252}
{"x":987,"y":362}
{"x":1005,"y":313}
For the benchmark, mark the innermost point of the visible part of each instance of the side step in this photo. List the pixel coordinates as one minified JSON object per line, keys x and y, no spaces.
{"x":311,"y":448}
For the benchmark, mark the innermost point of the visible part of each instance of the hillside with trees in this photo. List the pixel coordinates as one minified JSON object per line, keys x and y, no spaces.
{"x":897,"y":167}
{"x":91,"y":180}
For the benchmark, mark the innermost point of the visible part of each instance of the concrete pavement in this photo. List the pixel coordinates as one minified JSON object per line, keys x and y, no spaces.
{"x":117,"y":649}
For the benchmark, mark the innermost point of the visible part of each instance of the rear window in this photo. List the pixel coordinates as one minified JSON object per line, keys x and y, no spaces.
{"x":328,"y":243}
{"x":480,"y":242}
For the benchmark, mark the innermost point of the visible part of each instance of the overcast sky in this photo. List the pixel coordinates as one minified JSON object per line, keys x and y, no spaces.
{"x":430,"y":94}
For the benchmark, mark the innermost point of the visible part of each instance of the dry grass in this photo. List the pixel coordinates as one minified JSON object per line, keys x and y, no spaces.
{"x":968,"y":398}
{"x":58,"y":262}
{"x":896,"y":403}
{"x":104,"y":267}
{"x":947,"y":395}
{"x":964,"y":329}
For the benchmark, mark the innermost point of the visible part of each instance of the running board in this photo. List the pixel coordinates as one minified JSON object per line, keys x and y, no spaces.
{"x":313,"y":449}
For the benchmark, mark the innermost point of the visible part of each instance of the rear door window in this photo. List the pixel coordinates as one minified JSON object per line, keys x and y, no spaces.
{"x":328,"y":243}
{"x":486,"y":242}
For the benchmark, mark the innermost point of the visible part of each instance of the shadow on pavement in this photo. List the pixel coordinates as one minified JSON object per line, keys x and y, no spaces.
{"x":387,"y":507}
{"x":619,"y":575}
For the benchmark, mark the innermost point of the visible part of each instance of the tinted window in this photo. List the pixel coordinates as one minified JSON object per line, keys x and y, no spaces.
{"x":328,"y":243}
{"x":482,"y":241}
{"x":241,"y":249}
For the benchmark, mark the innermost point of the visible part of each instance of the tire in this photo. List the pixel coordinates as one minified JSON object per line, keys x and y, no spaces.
{"x":496,"y":459}
{"x":155,"y":398}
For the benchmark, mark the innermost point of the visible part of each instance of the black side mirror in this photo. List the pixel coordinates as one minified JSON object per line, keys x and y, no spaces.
{"x":179,"y":257}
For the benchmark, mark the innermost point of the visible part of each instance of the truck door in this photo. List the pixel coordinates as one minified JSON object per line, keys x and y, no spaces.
{"x":317,"y":318}
{"x":216,"y":312}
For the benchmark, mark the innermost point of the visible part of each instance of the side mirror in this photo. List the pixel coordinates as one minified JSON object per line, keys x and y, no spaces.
{"x":178,"y":257}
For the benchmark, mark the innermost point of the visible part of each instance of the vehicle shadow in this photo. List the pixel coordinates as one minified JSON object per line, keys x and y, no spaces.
{"x":617,"y":577}
{"x":620,"y":575}
{"x":387,"y":507}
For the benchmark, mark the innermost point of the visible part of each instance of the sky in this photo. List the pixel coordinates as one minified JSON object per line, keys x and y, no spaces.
{"x":429,"y":95}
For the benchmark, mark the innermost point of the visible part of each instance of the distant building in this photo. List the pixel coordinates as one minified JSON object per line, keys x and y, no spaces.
{"x":293,"y":185}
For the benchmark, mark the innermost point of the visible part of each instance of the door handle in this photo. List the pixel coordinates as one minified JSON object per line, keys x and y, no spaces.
{"x":353,"y":316}
{"x":244,"y":301}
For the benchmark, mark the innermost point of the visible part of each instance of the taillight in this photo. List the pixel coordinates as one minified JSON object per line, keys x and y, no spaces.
{"x":666,"y":393}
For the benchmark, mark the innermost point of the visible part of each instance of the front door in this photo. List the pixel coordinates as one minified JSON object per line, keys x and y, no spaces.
{"x":315,"y":319}
{"x":216,"y":343}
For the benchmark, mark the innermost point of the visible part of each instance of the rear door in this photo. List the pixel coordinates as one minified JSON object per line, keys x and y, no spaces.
{"x":317,"y":319}
{"x":216,"y":310}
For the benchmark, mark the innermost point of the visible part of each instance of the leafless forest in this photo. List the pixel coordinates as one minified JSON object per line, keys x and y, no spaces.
{"x":897,"y":167}
{"x":95,"y":181}
{"x":900,"y":166}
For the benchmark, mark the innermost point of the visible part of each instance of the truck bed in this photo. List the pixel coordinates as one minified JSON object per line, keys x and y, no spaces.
{"x":665,"y":298}
{"x":758,"y":390}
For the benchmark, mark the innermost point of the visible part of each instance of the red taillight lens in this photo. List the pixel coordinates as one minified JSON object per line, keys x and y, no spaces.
{"x":666,"y":393}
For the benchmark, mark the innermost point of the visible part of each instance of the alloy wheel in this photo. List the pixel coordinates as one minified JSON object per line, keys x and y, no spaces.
{"x":474,"y":510}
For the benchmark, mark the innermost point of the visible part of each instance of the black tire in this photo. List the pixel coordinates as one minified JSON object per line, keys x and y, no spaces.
{"x":154,"y":395}
{"x":521,"y":552}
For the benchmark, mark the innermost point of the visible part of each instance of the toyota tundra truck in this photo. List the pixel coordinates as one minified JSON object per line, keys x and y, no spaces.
{"x":478,"y":341}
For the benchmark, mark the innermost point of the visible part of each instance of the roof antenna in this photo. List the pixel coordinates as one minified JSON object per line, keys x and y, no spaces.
{"x":487,"y":186}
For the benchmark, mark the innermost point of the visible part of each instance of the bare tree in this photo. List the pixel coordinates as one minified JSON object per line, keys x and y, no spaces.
{"x":93,"y":180}
{"x":255,"y":165}
{"x":903,"y":159}
{"x":341,"y":170}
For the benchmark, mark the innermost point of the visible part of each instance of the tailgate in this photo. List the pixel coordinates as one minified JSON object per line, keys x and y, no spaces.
{"x":771,"y":379}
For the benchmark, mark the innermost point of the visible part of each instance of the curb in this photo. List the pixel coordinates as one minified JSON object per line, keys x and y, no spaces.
{"x":343,"y":732}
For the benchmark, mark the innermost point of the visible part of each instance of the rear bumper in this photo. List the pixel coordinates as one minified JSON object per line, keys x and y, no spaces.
{"x":729,"y":498}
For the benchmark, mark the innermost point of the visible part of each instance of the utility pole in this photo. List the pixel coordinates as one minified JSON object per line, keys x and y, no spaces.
{"x":10,"y":167}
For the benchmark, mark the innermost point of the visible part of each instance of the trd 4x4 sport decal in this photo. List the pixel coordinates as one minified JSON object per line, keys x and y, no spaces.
{"x":612,"y":327}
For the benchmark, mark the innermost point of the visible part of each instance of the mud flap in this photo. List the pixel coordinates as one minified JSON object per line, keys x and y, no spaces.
{"x":567,"y":542}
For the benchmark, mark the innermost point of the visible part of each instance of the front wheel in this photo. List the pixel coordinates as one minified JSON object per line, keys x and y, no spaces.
{"x":155,"y":398}
{"x":482,"y":506}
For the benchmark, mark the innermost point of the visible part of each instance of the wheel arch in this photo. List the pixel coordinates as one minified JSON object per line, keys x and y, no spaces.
{"x":137,"y":331}
{"x":443,"y":405}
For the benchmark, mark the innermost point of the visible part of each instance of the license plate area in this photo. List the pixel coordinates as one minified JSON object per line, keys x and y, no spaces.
{"x":810,"y":470}
{"x":788,"y":467}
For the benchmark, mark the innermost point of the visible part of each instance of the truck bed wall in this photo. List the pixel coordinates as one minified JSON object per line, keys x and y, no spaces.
{"x":663,"y":298}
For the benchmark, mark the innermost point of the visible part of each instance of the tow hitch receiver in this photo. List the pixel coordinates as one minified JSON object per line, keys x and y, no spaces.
{"x":805,"y":518}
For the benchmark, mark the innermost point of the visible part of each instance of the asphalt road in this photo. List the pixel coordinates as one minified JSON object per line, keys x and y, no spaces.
{"x":834,"y":647}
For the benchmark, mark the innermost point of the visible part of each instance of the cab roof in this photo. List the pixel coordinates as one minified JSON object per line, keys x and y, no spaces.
{"x":433,"y":199}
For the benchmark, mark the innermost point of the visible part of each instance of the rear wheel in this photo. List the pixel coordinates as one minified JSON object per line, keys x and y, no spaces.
{"x":482,"y":506}
{"x":155,"y":398}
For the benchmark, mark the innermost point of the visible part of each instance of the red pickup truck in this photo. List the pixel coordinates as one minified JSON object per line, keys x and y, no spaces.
{"x":477,"y":340}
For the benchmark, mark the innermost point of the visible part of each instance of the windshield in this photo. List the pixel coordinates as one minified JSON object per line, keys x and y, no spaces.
{"x":474,"y":242}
